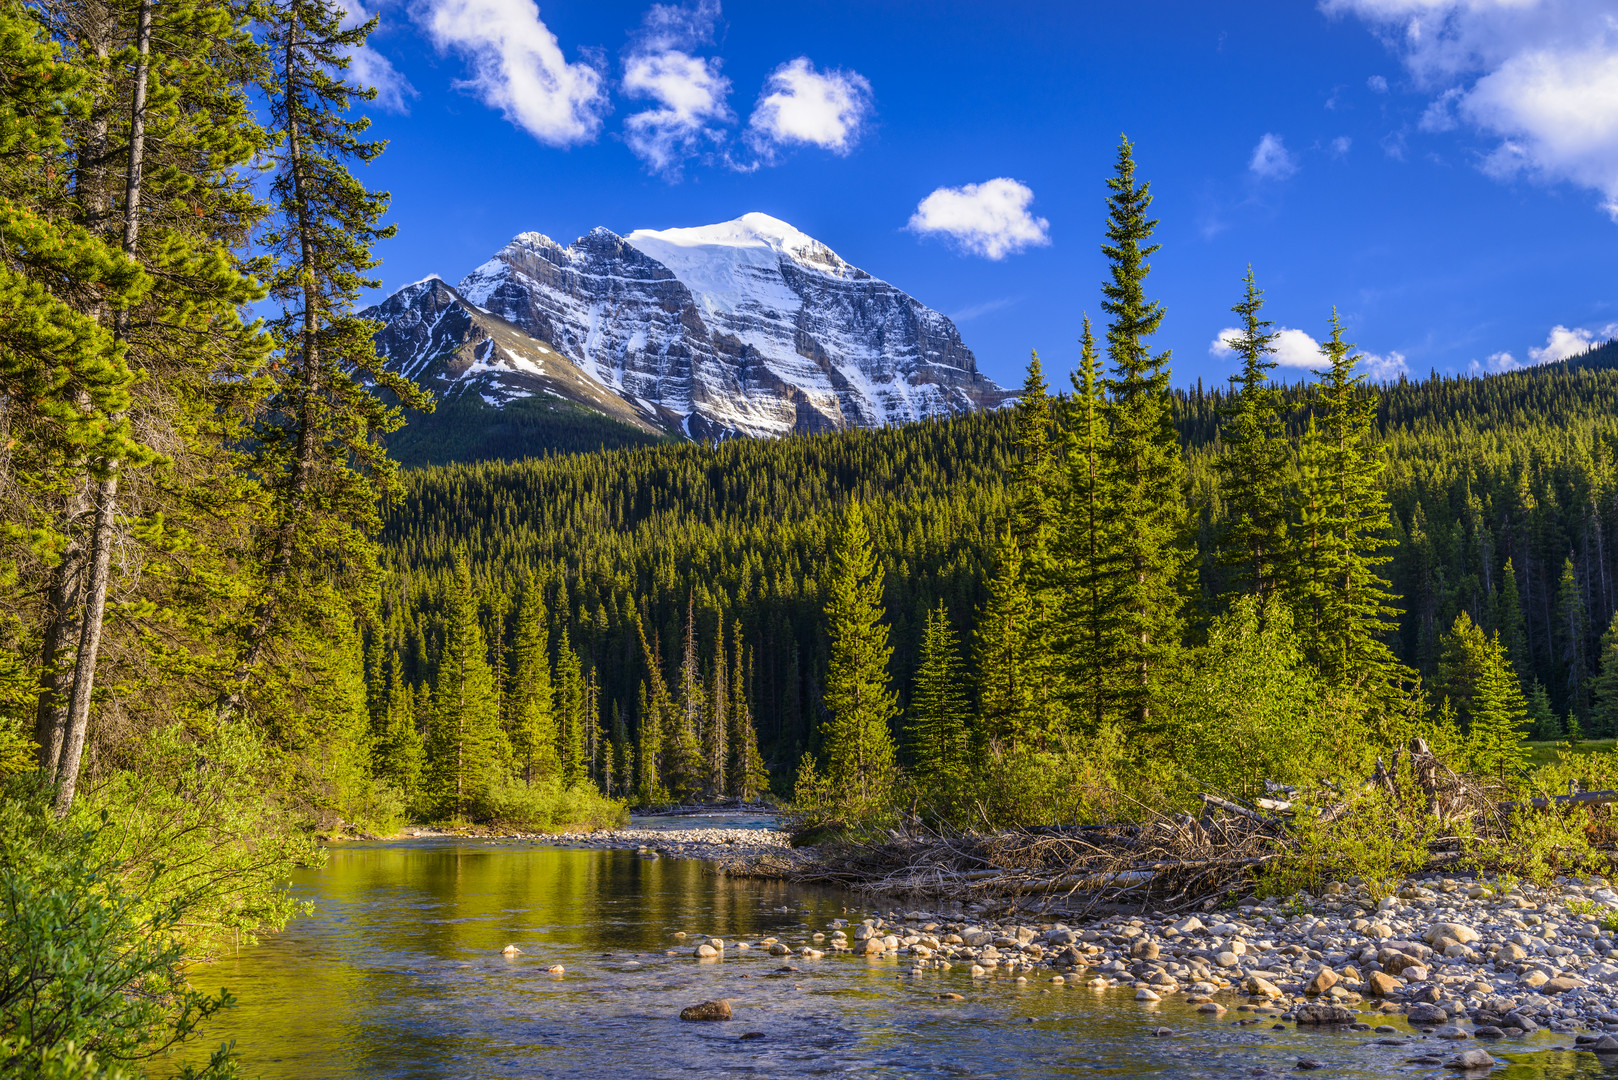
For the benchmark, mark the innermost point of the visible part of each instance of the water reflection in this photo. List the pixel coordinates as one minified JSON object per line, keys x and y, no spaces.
{"x":399,"y":974}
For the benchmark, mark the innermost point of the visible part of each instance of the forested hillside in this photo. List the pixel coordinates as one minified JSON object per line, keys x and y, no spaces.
{"x":1516,"y":467}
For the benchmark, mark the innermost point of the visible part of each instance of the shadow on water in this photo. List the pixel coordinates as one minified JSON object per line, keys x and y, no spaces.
{"x":398,"y":973}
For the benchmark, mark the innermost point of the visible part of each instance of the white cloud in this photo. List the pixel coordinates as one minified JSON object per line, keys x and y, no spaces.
{"x":1562,"y":343}
{"x":518,"y":67}
{"x":1296,"y":349}
{"x":690,"y":92}
{"x":368,"y":68}
{"x":799,"y":105}
{"x":989,"y":219}
{"x":1271,"y":161}
{"x":1377,"y":84}
{"x":1341,"y":145}
{"x":1539,"y":77}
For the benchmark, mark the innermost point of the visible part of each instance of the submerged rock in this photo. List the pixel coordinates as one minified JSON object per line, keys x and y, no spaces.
{"x":707,"y":1010}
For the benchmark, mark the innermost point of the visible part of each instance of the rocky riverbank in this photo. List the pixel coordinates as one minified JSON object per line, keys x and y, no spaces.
{"x":697,"y":843}
{"x":1457,"y":959}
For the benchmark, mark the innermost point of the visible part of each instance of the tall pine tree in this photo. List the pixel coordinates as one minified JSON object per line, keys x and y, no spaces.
{"x":936,"y":728}
{"x":463,"y":741}
{"x":858,"y":742}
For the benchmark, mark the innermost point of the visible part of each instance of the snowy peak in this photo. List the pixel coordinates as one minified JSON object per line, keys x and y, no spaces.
{"x":746,"y":327}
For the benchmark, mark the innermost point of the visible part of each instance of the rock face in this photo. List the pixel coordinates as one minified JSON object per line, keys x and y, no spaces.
{"x":749,"y":327}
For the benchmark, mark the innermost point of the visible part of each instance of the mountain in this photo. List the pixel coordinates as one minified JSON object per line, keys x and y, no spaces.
{"x":749,"y":327}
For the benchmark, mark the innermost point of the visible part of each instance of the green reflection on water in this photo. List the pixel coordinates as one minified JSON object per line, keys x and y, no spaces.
{"x":399,"y":974}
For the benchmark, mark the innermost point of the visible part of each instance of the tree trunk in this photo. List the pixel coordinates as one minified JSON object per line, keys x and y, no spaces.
{"x":95,"y":603}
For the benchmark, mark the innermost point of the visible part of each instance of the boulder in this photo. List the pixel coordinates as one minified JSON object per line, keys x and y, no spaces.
{"x":1324,"y":980}
{"x":707,"y":1010}
{"x":1425,"y":1014}
{"x":1381,"y":984}
{"x":1457,"y":932}
{"x":1561,"y":985}
{"x":1260,"y":987}
{"x":1472,"y":1059}
{"x":1324,"y":1014}
{"x":1534,"y":978}
{"x":1143,"y":994}
{"x":705,"y":951}
{"x":1394,"y":962}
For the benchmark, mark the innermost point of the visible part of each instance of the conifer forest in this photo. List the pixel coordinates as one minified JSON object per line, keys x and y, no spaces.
{"x":232,"y":625}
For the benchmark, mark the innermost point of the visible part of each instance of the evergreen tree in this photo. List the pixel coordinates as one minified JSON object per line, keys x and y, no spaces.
{"x":397,"y":752}
{"x":656,"y":714}
{"x":531,"y":705}
{"x":1463,"y":654}
{"x":1146,"y":531}
{"x":716,"y":741}
{"x":683,"y":763}
{"x":572,"y":714}
{"x":1545,"y":724}
{"x":318,"y":446}
{"x":1498,"y":714}
{"x":1034,"y":499}
{"x":1008,"y":702}
{"x":937,"y":729}
{"x":1348,"y":614}
{"x":623,"y":755}
{"x":1253,"y":462}
{"x":1513,"y":630}
{"x":1604,"y":687}
{"x":749,"y":778}
{"x":1571,"y":632}
{"x":463,"y":748}
{"x":858,"y":743}
{"x":1082,"y":545}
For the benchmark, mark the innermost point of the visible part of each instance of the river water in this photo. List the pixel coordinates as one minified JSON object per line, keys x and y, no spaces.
{"x":398,"y":973}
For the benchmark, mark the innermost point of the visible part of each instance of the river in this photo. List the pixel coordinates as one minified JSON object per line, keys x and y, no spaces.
{"x":398,"y":972}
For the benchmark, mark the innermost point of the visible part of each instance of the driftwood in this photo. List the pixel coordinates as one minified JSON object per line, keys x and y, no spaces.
{"x":1170,"y":861}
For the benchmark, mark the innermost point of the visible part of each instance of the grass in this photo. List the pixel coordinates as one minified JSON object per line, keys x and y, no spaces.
{"x":1544,"y":753}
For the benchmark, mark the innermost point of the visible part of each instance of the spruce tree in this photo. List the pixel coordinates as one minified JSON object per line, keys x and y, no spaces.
{"x":1009,"y":711}
{"x":656,"y":720}
{"x":318,"y":446}
{"x":749,"y":778}
{"x":1253,"y":462}
{"x":683,"y":763}
{"x":716,"y":741}
{"x":397,"y":753}
{"x":1513,"y":630}
{"x":623,"y":755}
{"x":1604,"y":687}
{"x":463,"y":741}
{"x":1147,"y":561}
{"x":1495,"y":743}
{"x":1085,"y":581}
{"x":531,"y":699}
{"x":1571,"y":634}
{"x":572,"y":714}
{"x":1345,"y":604}
{"x":858,"y":743}
{"x":936,"y":727}
{"x":1545,"y":725}
{"x":1463,"y":654}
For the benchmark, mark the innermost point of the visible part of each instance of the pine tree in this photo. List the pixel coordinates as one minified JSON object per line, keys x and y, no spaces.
{"x":1081,"y":545}
{"x":683,"y":762}
{"x":1604,"y":687}
{"x":716,"y":742}
{"x":623,"y":755}
{"x":1545,"y":724}
{"x":397,"y":753}
{"x":531,"y":702}
{"x":1571,"y":632}
{"x":937,"y":732}
{"x":1513,"y":631}
{"x":1498,"y":714}
{"x":656,"y":712}
{"x":858,"y":744}
{"x":463,"y":740}
{"x":1463,"y":654}
{"x":1032,"y":466}
{"x":1008,"y":702}
{"x":749,"y":778}
{"x":1254,"y":461}
{"x":317,"y":444}
{"x":572,"y":714}
{"x":1345,"y":602}
{"x":1146,"y":558}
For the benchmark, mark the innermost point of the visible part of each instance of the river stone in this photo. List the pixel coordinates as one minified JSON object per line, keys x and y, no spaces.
{"x":1145,"y":950}
{"x":778,"y":949}
{"x":1324,"y":1014}
{"x":1261,"y":987}
{"x":707,"y":1010}
{"x":1605,"y":1045}
{"x":1226,"y":959}
{"x":1473,"y":1059}
{"x":1561,"y":985}
{"x":705,"y":952}
{"x":1518,"y":1020}
{"x":1456,"y":932}
{"x":511,"y":950}
{"x":1534,"y":978}
{"x":1395,"y":962}
{"x":1489,"y":1031}
{"x":1324,"y":980}
{"x":1451,"y":1032}
{"x":1143,"y":994}
{"x":1427,"y":1014}
{"x":1381,"y":984}
{"x":556,"y":969}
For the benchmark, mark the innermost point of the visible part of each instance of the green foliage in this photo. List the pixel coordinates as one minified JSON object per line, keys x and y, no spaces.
{"x":858,"y":742}
{"x":1494,"y":744}
{"x":546,"y":804}
{"x":1547,"y":726}
{"x":463,"y":751}
{"x":1377,"y":838}
{"x":92,"y":983}
{"x":937,"y":736}
{"x":1462,"y":657}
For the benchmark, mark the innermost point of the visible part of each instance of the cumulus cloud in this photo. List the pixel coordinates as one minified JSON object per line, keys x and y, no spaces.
{"x":690,"y":113}
{"x":1271,"y":160}
{"x":800,"y":105}
{"x":1562,"y":343}
{"x":518,"y":67}
{"x":1341,"y":145}
{"x":1538,"y":77}
{"x":369,"y":68}
{"x":989,"y":219}
{"x":1297,"y":350}
{"x":1377,"y":84}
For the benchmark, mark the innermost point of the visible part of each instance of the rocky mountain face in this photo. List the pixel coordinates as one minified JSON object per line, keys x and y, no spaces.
{"x":749,"y":327}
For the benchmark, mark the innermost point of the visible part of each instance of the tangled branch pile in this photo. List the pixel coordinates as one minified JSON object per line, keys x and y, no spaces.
{"x":1412,"y":813}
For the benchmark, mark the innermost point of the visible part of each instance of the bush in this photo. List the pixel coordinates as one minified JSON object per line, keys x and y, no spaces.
{"x":547,"y":805}
{"x":91,"y":985}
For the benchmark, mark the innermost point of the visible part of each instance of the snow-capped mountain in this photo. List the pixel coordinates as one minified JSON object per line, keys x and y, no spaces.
{"x":749,"y":327}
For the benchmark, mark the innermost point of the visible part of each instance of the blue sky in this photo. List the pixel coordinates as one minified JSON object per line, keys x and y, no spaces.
{"x":1444,"y":171}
